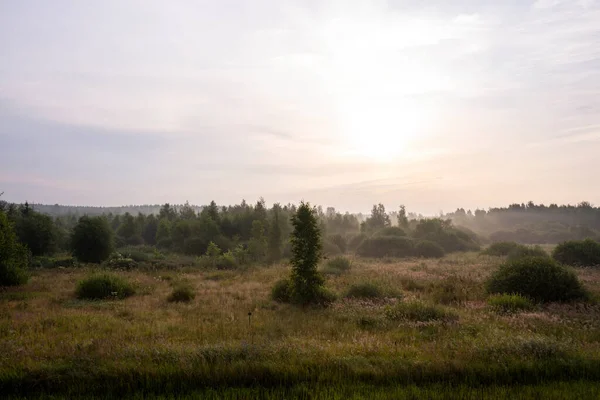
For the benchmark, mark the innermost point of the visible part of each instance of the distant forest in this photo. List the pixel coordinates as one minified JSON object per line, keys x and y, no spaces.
{"x":262,"y":231}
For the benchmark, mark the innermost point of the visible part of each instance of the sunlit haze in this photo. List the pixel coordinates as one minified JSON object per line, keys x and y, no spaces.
{"x":435,"y":105}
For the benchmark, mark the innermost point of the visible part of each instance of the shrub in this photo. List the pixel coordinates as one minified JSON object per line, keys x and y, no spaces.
{"x":118,"y":261}
{"x":337,"y":265}
{"x":92,"y":239}
{"x":226,"y":261}
{"x":417,"y":311}
{"x":364,"y":291}
{"x":281,"y":291}
{"x":522,"y":251}
{"x":390,"y":231}
{"x":445,"y":234}
{"x":578,"y":253}
{"x":13,"y":255}
{"x":429,"y":249}
{"x":386,"y":246}
{"x":454,"y":290}
{"x":104,"y":286}
{"x":539,"y":278}
{"x":509,"y":303}
{"x":500,"y":248}
{"x":181,"y":294}
{"x":52,"y":262}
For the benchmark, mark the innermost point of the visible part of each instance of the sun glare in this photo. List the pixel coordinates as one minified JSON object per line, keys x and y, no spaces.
{"x":375,"y":88}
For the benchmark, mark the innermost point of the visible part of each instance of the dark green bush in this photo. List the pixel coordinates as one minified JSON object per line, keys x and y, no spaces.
{"x":445,"y":234}
{"x":281,"y":291}
{"x":582,"y":253}
{"x":500,"y":249}
{"x":538,"y":278}
{"x":428,"y":249}
{"x":337,"y":265}
{"x":509,"y":303}
{"x":386,"y":246}
{"x":182,"y":294}
{"x":522,"y":251}
{"x":390,"y":231}
{"x":417,"y":311}
{"x":92,"y":239}
{"x":104,"y":286}
{"x":364,"y":291}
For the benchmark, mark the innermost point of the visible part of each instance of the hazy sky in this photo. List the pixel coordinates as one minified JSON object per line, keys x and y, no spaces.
{"x":343,"y":103}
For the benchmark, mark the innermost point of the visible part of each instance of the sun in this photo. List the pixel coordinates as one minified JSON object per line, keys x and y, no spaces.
{"x":375,"y":88}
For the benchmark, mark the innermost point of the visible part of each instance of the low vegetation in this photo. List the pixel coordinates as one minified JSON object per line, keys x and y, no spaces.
{"x":104,"y":286}
{"x":364,"y":291}
{"x":584,"y":253}
{"x":538,"y":278}
{"x":417,"y":311}
{"x":509,"y":303}
{"x":182,"y":294}
{"x":337,"y":266}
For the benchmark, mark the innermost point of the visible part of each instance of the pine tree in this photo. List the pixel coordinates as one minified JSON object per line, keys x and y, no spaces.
{"x":306,"y":282}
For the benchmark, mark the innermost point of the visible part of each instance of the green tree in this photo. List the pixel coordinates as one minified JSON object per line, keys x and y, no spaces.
{"x":129,"y":231}
{"x":306,"y":282}
{"x":275,"y":236}
{"x":257,"y":247}
{"x":36,"y":231}
{"x":378,"y":219}
{"x":163,"y":233}
{"x":402,"y":219}
{"x":92,"y":239}
{"x":13,"y":255}
{"x":149,"y":230}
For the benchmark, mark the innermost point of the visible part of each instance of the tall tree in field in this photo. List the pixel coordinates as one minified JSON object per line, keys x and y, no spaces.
{"x":92,"y":239}
{"x":402,"y":219}
{"x":306,"y":282}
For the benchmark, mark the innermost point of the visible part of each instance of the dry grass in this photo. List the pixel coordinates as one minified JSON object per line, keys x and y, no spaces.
{"x":43,"y":327}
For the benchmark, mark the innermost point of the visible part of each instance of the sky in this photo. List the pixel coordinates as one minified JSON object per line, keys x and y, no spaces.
{"x":434,"y":105}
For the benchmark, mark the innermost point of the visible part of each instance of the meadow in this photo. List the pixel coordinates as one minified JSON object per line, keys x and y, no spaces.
{"x":422,"y":329}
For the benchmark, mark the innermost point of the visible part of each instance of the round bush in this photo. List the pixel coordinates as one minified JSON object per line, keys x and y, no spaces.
{"x":104,"y":286}
{"x":525,"y":251}
{"x":181,"y":294}
{"x":539,"y":278}
{"x":364,"y":291}
{"x":92,"y":239}
{"x":500,"y":248}
{"x":281,"y":291}
{"x":341,"y":264}
{"x":580,"y":253}
{"x":429,"y":249}
{"x":339,"y":241}
{"x":386,"y":246}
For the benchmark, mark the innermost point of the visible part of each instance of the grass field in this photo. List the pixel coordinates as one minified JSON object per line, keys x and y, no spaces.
{"x":55,"y":345}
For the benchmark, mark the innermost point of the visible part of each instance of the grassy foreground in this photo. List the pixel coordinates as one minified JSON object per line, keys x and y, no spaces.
{"x":55,"y":345}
